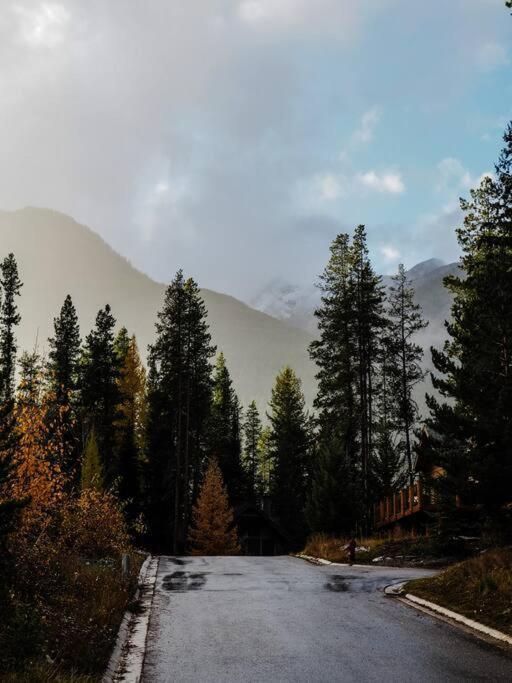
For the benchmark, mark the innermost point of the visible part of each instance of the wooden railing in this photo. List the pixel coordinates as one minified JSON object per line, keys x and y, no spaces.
{"x":408,"y":501}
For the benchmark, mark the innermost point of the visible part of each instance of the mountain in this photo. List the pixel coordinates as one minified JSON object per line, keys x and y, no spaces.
{"x":297,"y":305}
{"x":57,"y":256}
{"x":288,"y":302}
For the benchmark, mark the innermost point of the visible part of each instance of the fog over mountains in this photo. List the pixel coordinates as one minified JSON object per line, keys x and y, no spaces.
{"x":296,"y":306}
{"x":58,"y":256}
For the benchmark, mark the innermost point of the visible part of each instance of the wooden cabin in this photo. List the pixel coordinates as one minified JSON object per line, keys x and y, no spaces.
{"x":412,"y":508}
{"x":258,"y":532}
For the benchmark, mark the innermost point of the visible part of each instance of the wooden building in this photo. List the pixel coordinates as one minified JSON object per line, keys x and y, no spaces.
{"x":258,"y":532}
{"x":413,"y":508}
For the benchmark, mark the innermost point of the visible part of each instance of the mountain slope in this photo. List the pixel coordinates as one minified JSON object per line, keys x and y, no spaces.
{"x":296,"y":306}
{"x":58,"y":256}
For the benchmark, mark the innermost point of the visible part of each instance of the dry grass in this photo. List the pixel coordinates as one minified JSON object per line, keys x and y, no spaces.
{"x":68,"y":635}
{"x":332,"y":547}
{"x":479,"y":588}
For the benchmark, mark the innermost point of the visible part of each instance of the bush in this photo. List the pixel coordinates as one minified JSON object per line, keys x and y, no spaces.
{"x":93,"y":526}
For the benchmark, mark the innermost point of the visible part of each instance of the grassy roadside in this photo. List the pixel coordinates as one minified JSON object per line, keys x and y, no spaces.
{"x":406,"y":551}
{"x":479,"y":588}
{"x":69,"y":636}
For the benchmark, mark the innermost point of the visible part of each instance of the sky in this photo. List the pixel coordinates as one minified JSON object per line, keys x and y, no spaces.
{"x":236,"y":138}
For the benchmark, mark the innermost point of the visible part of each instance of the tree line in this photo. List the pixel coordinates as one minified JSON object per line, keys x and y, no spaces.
{"x":148,"y":436}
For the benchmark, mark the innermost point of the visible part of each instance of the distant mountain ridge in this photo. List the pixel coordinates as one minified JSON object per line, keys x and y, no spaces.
{"x":57,"y":256}
{"x":297,"y":305}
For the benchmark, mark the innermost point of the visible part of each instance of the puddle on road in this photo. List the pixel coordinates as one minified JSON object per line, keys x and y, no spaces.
{"x":181,"y":581}
{"x":337,"y":584}
{"x":179,"y":561}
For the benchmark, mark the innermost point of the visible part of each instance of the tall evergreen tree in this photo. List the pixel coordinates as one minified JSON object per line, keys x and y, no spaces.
{"x":470,"y":435}
{"x":100,"y":390}
{"x":179,"y":403}
{"x":351,"y":323}
{"x":369,"y":323}
{"x":131,"y":424}
{"x":9,"y":320}
{"x":252,"y":436}
{"x":290,"y":449}
{"x":265,"y":463}
{"x":406,"y":372}
{"x":334,"y":504}
{"x":224,"y":432}
{"x":388,"y":461}
{"x":63,"y":377}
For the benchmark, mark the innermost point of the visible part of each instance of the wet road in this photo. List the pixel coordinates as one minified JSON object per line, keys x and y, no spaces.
{"x":283,"y":619}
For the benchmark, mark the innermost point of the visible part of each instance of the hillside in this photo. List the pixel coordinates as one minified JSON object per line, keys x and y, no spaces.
{"x":58,"y":256}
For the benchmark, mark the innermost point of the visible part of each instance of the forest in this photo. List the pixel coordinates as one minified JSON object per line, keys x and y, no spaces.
{"x":101,"y":452}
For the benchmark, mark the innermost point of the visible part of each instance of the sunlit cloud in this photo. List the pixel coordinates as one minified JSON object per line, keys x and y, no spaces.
{"x":43,"y":25}
{"x":389,"y":252}
{"x":389,"y":182}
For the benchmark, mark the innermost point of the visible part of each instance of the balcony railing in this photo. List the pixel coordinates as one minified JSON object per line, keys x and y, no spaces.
{"x":408,"y":501}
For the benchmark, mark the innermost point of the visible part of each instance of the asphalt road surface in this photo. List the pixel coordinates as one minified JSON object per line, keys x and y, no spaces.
{"x":283,"y":619}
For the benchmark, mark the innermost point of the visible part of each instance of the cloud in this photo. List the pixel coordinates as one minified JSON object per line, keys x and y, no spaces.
{"x":389,"y":252}
{"x":43,"y":25}
{"x":329,"y":187}
{"x":454,"y":177}
{"x":196,"y":134}
{"x":492,"y":56}
{"x":369,"y":121}
{"x":388,"y":182}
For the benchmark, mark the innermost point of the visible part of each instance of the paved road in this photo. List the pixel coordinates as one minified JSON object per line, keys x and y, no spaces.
{"x":283,"y":619}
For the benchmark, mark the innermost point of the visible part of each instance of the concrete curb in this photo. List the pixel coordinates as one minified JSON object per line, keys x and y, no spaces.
{"x":455,"y":616}
{"x":127,"y":658}
{"x":320,"y":560}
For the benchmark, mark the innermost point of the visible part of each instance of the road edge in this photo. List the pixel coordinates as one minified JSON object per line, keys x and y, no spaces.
{"x":127,"y":660}
{"x":320,"y":560}
{"x":475,"y":627}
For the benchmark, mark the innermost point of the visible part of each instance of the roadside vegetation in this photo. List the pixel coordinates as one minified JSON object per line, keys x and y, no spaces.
{"x":479,"y":588}
{"x":406,"y":550}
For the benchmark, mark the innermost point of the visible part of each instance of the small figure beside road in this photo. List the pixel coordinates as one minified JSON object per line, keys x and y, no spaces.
{"x":351,"y":551}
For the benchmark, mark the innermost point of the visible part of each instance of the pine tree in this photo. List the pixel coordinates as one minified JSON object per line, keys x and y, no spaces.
{"x":179,"y":403}
{"x":252,"y":436}
{"x":9,"y":320}
{"x":470,"y":435}
{"x":369,"y":323}
{"x":290,"y":449}
{"x":63,"y":358}
{"x":388,"y":461}
{"x":405,"y":322}
{"x":92,"y":468}
{"x":334,"y":505}
{"x":224,"y":432}
{"x":265,"y":463}
{"x":131,"y":424}
{"x":100,"y":391}
{"x":63,"y":377}
{"x":213,"y":531}
{"x":351,"y":323}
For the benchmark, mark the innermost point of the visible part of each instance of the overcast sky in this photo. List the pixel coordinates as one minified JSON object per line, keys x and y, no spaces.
{"x":235,"y":138}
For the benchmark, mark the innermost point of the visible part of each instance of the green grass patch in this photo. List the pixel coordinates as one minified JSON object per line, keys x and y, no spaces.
{"x":479,"y":588}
